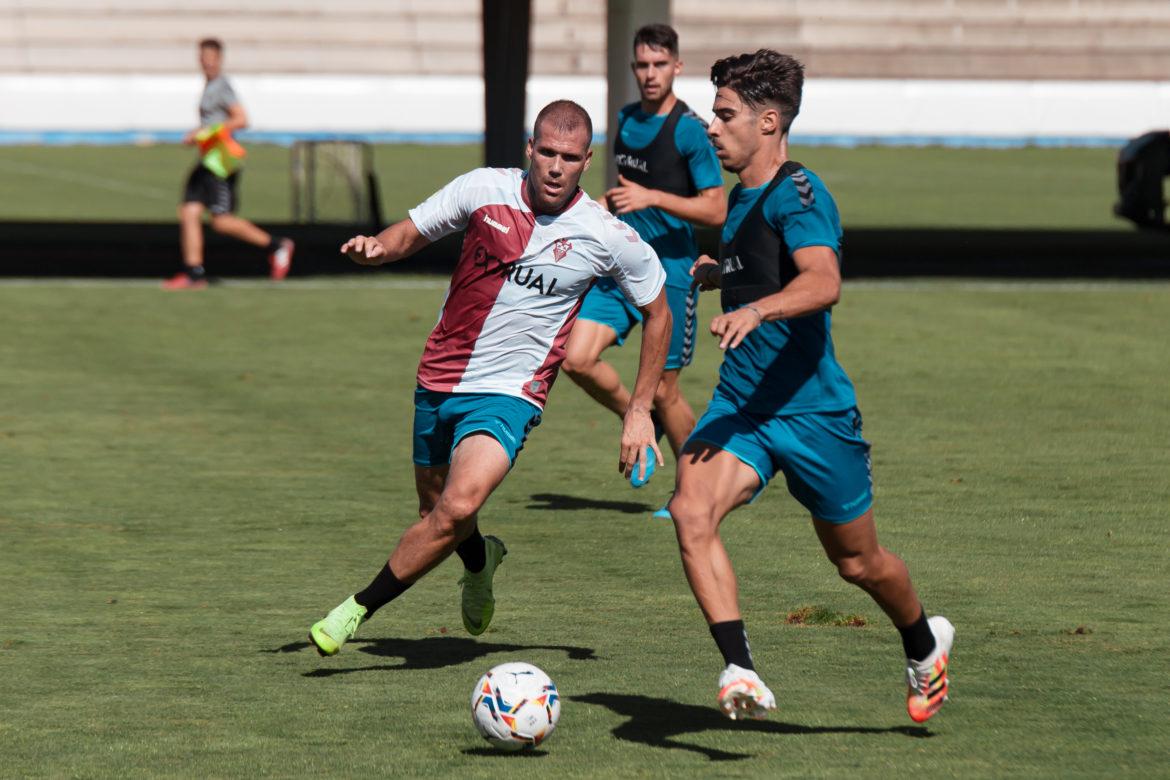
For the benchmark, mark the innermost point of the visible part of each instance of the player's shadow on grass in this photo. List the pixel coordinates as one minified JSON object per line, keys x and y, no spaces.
{"x":560,"y":502}
{"x":656,"y":722}
{"x":432,"y":652}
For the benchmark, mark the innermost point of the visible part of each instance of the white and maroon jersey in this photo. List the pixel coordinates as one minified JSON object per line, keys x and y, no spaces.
{"x":519,"y":282}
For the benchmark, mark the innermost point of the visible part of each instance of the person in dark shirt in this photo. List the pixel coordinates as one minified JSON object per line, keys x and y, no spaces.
{"x":668,"y":178}
{"x":783,"y":403}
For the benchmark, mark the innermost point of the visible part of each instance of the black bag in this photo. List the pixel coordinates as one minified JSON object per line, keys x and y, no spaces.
{"x":1141,"y":166}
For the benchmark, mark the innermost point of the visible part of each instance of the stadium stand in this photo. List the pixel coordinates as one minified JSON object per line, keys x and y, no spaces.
{"x":1049,"y":41}
{"x":1014,"y":39}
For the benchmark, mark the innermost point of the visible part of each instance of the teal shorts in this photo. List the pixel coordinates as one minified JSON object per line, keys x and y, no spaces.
{"x":605,"y":304}
{"x":824,"y":459}
{"x":442,"y":420}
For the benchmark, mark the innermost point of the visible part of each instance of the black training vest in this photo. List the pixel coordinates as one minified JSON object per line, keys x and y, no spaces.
{"x":756,"y":262}
{"x":658,"y":165}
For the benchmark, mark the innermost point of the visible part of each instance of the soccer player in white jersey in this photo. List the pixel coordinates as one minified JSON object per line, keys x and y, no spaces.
{"x":534,"y":244}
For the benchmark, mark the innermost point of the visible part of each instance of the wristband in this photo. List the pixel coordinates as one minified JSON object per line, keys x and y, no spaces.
{"x":757,"y":312}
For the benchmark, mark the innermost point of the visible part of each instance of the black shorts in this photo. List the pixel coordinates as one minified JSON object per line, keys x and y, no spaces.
{"x":218,"y":195}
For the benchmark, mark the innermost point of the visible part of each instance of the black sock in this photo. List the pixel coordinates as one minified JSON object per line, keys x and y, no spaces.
{"x":273,"y":244}
{"x":472,"y":552}
{"x":381,"y":591}
{"x":731,"y":637}
{"x":917,"y":638}
{"x":196,"y":271}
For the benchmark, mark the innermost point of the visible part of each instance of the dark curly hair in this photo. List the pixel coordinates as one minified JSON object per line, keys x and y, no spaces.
{"x":764,"y":78}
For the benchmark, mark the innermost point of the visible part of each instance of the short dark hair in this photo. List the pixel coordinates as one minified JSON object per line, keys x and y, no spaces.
{"x":211,"y":43}
{"x":565,"y":116}
{"x":657,"y":36}
{"x":766,"y":77}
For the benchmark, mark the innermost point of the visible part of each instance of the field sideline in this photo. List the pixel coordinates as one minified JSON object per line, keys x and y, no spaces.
{"x":875,"y":186}
{"x":188,"y":481}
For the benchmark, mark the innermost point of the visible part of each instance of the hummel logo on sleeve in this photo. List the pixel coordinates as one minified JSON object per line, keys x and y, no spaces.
{"x":502,"y":228}
{"x":803,"y":188}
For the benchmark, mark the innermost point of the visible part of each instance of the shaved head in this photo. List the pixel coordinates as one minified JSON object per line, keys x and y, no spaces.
{"x":559,"y":153}
{"x":564,"y":116}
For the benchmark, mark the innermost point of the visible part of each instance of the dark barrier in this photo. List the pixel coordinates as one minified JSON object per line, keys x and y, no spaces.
{"x":104,"y":249}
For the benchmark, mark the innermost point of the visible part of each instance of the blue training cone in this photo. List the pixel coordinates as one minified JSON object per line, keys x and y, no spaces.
{"x":651,"y":464}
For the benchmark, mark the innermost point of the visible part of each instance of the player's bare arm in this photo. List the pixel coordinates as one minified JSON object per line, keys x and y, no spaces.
{"x":816,"y":287}
{"x":399,"y":241}
{"x":237,"y":118}
{"x":637,"y":427}
{"x":708,"y":207}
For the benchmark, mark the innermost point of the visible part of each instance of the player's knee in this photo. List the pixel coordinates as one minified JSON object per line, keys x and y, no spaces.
{"x":694,"y":519}
{"x":453,"y":513}
{"x":577,"y":365}
{"x":667,"y":394}
{"x":856,"y":570}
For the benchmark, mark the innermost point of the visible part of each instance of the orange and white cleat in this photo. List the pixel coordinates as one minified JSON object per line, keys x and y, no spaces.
{"x":280,"y":261}
{"x":183,"y":281}
{"x":927,"y":679}
{"x":742,"y":694}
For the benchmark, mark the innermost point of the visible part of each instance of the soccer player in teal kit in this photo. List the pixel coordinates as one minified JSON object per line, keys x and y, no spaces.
{"x":669,"y":178}
{"x":783,"y":403}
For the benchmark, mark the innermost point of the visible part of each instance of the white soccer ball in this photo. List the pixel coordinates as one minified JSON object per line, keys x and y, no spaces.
{"x":515,"y":706}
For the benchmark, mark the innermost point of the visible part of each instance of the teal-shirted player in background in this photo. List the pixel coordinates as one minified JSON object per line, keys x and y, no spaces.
{"x":668,"y":178}
{"x":783,"y":403}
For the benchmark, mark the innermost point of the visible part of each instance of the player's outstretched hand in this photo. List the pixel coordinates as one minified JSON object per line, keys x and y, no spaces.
{"x":365,"y":250}
{"x":707,"y":273}
{"x":637,"y":437}
{"x":628,"y":196}
{"x":732,"y":328}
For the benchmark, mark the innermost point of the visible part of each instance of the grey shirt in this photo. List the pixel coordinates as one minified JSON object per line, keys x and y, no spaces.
{"x":218,"y":97}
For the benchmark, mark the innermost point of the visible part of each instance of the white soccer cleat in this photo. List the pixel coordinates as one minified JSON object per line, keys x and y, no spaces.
{"x":742,"y":694}
{"x":926,"y":680}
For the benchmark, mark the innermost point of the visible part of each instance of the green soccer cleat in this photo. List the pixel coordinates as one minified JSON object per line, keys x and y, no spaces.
{"x":338,"y":627}
{"x":478,"y":602}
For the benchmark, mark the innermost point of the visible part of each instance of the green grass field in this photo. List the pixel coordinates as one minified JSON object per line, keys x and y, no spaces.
{"x":188,"y":481}
{"x":875,"y":187}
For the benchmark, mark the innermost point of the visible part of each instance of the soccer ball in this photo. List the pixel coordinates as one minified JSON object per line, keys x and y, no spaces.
{"x":515,"y":706}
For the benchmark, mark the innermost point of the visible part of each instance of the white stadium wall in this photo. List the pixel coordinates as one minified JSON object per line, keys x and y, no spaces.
{"x":67,"y":108}
{"x":886,"y":71}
